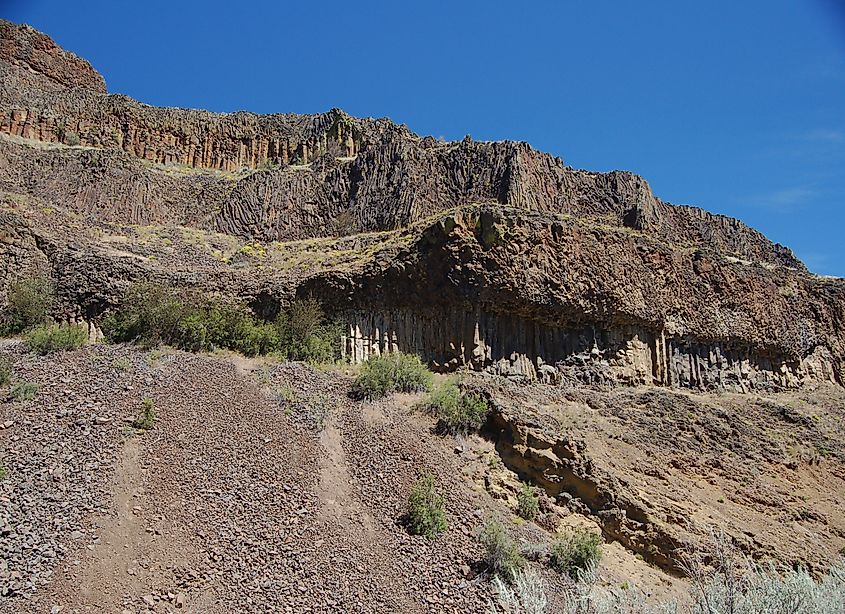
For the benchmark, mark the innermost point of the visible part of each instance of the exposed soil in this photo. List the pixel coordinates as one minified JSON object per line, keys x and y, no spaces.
{"x":265,"y":487}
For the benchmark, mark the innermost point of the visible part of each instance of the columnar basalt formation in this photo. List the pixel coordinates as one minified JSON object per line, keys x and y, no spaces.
{"x":502,"y":258}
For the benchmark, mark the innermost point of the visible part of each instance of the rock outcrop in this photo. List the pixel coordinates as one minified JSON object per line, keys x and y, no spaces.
{"x":488,"y":255}
{"x":372,"y":174}
{"x":657,"y":469}
{"x":48,"y":66}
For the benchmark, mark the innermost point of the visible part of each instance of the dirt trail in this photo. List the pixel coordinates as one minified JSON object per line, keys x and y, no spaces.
{"x":111,"y":569}
{"x":334,"y":493}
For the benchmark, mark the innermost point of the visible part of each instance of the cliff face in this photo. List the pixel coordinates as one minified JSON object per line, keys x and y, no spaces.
{"x":494,"y":255}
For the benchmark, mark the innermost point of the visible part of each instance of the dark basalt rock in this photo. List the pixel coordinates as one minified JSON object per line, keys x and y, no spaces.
{"x":491,"y":255}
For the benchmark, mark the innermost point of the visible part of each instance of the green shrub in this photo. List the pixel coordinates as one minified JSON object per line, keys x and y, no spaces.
{"x":23,"y":391}
{"x":29,"y":304}
{"x":318,"y":348}
{"x":528,"y":503}
{"x":426,"y":509}
{"x":5,"y":370}
{"x":3,"y":472}
{"x":146,"y":417}
{"x":458,"y":413}
{"x":122,"y":364}
{"x":152,"y":315}
{"x":50,"y":339}
{"x":501,"y":552}
{"x":72,"y":139}
{"x":381,"y":375}
{"x":304,"y":319}
{"x":575,"y":552}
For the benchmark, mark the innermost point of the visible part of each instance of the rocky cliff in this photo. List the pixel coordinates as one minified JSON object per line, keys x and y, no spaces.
{"x":488,"y":255}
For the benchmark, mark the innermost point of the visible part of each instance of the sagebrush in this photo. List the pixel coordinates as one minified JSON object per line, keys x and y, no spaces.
{"x":722,"y":581}
{"x":574,"y":551}
{"x":457,"y":412}
{"x":528,"y":502}
{"x":501,"y":553}
{"x":48,"y":339}
{"x":426,"y":508}
{"x":526,"y":594}
{"x":381,"y":375}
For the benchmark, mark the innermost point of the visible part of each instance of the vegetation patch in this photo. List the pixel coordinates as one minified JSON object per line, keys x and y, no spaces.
{"x":458,"y":413}
{"x":527,"y":502}
{"x":122,"y":364}
{"x":5,"y":371}
{"x":49,"y":339}
{"x":576,"y":551}
{"x":426,"y":508}
{"x":23,"y":391}
{"x":28,"y":305}
{"x":152,"y":315}
{"x":146,"y":417}
{"x":381,"y":375}
{"x":501,"y":552}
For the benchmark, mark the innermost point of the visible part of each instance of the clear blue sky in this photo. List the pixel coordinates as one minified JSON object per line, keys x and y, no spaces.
{"x":735,"y":106}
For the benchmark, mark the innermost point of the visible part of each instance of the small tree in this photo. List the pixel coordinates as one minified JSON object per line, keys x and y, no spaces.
{"x":304,"y":319}
{"x":426,"y":508}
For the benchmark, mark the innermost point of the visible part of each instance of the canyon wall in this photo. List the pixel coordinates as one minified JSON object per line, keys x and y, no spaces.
{"x":492,"y":255}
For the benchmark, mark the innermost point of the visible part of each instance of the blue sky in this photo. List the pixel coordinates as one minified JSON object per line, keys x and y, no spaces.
{"x":738,"y":107}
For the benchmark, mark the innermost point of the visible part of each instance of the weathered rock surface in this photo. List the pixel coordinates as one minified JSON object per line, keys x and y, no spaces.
{"x":658,"y":469}
{"x":373,"y":173}
{"x":266,"y":487}
{"x":49,"y":66}
{"x":490,"y":255}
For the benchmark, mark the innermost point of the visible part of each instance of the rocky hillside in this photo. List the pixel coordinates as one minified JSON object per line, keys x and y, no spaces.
{"x":655,"y":370}
{"x":533,"y":261}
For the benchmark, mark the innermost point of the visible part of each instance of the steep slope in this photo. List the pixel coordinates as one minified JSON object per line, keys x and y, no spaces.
{"x":556,"y":262}
{"x":381,"y":175}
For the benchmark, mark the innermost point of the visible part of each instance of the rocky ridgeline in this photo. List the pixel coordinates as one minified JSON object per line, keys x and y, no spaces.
{"x":503,"y":259}
{"x":373,"y":173}
{"x":49,"y":66}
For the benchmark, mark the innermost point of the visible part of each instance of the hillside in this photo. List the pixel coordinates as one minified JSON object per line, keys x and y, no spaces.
{"x":654,"y":371}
